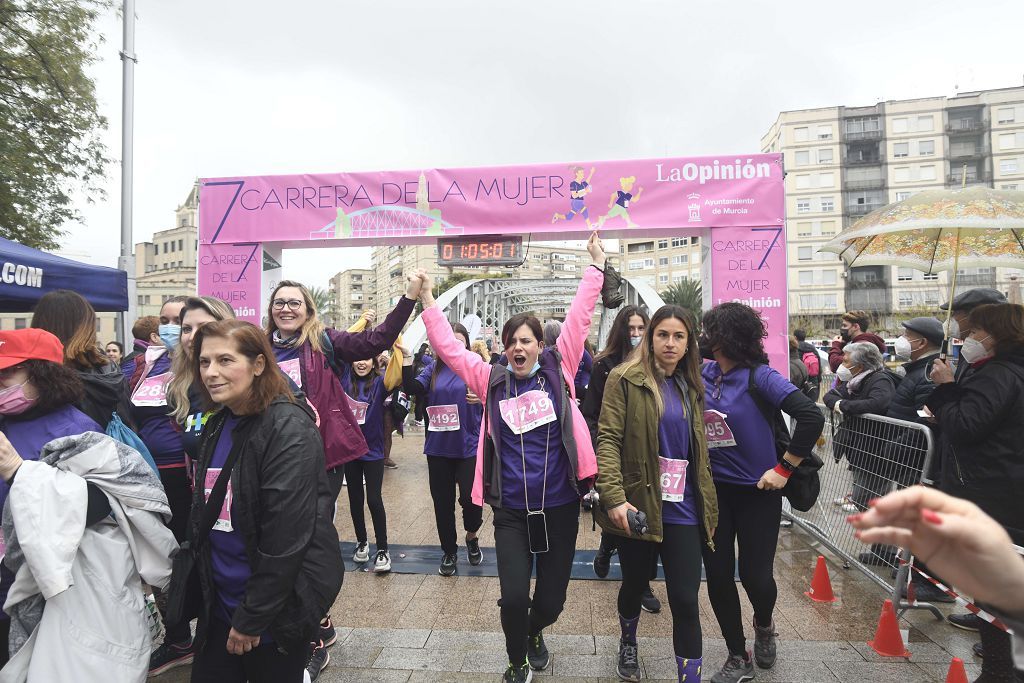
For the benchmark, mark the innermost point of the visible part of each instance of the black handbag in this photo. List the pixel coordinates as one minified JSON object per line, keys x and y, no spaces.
{"x":185,"y":588}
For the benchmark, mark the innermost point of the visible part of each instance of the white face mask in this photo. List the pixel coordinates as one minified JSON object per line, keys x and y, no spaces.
{"x":954,"y":329}
{"x":844,"y":373}
{"x":904,"y":348}
{"x":973,"y":350}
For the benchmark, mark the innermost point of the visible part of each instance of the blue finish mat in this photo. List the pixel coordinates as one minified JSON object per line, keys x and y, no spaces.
{"x":425,"y":559}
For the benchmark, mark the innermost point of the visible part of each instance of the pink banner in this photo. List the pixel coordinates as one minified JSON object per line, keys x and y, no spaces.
{"x":748,"y":265}
{"x":549,"y":201}
{"x":233,"y":272}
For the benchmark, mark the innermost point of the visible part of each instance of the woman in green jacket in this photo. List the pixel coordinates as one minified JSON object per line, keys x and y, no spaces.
{"x":652,"y":457}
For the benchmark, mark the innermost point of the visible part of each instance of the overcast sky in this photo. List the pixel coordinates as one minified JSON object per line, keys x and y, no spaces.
{"x":226,"y":87}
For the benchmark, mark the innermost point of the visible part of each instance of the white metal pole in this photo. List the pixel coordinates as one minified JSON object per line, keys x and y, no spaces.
{"x":126,"y":261}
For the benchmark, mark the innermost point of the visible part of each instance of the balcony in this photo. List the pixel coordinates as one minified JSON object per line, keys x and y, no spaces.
{"x":873,"y":296}
{"x":862,"y":209}
{"x":957,"y":179}
{"x":966,"y":126}
{"x":876,"y":184}
{"x":975,"y":280}
{"x":976,"y":153}
{"x":869,"y":161}
{"x":862,"y":135}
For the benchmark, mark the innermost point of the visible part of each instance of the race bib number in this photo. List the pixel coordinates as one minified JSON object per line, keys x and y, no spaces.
{"x":673,"y":479}
{"x":527,"y":411}
{"x":625,"y":203}
{"x":359,"y":409}
{"x":223,"y":522}
{"x":152,"y":391}
{"x":291,"y":368}
{"x":443,"y":418}
{"x":717,"y":430}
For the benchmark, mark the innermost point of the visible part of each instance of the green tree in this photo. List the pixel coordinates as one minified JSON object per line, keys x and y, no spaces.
{"x":686,"y":293}
{"x":322,"y":299}
{"x":50,"y":126}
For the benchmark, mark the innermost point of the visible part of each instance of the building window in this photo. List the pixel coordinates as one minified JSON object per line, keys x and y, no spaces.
{"x":663,"y":260}
{"x":930,"y":276}
{"x":828,"y":204}
{"x":679,"y":278}
{"x":825,"y":156}
{"x":803,"y":206}
{"x":828,"y":228}
{"x":679,"y":242}
{"x":803,"y":229}
{"x":926,"y":148}
{"x":680,"y":259}
{"x":931,"y":297}
{"x":906,"y":299}
{"x":901,"y":149}
{"x":803,"y":158}
{"x":181,"y":245}
{"x":806,"y":278}
{"x":1007,"y":141}
{"x":900,"y":196}
{"x":1005,"y":115}
{"x":828,"y":277}
{"x":663,"y":279}
{"x":927,"y":173}
{"x":803,"y":181}
{"x":826,"y":179}
{"x":800,"y":134}
{"x":925,"y":123}
{"x":824,"y":132}
{"x":805,"y":253}
{"x":1007,"y":166}
{"x":1008,"y":187}
{"x":662,"y":244}
{"x":899,"y":125}
{"x":902,"y":174}
{"x":904,"y":274}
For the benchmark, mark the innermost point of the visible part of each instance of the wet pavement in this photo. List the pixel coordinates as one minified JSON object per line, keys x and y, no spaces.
{"x":413,"y":627}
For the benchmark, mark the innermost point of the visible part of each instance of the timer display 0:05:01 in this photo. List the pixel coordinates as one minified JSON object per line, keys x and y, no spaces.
{"x":479,"y":251}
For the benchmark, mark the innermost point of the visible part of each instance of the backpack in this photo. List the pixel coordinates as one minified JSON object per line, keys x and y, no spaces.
{"x":804,"y":485}
{"x":118,"y":431}
{"x":813,"y":364}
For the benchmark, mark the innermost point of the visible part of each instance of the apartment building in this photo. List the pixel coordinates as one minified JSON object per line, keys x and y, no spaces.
{"x":660,"y":262}
{"x":844,"y":162}
{"x":166,"y":265}
{"x":352,"y":292}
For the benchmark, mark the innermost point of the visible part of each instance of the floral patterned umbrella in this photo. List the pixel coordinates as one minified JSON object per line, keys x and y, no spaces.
{"x":939,"y":230}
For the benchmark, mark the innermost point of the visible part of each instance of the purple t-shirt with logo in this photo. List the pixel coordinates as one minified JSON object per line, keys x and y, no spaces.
{"x":449,"y":390}
{"x":157,"y":429}
{"x":372,"y":393}
{"x":544,"y":441}
{"x":754,"y":452}
{"x":674,"y":444}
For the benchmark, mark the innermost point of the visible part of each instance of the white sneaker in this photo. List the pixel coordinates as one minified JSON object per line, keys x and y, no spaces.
{"x":362,"y":553}
{"x":849,"y":507}
{"x":382,"y":563}
{"x":842,"y":500}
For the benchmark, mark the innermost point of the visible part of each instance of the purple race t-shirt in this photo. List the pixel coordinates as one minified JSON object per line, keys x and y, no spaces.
{"x":674,"y":444}
{"x":542,"y":442}
{"x":754,"y":452}
{"x":228,"y":558}
{"x":442,"y":439}
{"x":372,"y":394}
{"x":157,"y":429}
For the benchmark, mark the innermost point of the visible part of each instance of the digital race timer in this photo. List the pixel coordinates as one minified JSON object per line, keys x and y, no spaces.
{"x":495,"y":250}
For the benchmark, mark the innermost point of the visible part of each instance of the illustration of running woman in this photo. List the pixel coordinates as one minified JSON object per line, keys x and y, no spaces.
{"x":619,"y":202}
{"x":578,"y":189}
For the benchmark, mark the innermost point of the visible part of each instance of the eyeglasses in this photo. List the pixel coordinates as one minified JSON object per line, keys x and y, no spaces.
{"x":718,"y":389}
{"x":292,"y":304}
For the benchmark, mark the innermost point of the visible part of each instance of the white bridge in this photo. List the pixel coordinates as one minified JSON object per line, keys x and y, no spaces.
{"x":387,"y":221}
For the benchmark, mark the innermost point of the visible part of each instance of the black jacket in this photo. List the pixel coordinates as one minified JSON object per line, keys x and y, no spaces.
{"x":282,"y":506}
{"x":591,"y":407}
{"x":907,"y":447}
{"x":105,"y":393}
{"x":856,"y":438}
{"x":981,"y":419}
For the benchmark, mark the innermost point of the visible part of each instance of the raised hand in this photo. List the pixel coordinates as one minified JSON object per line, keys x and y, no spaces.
{"x":596,"y":249}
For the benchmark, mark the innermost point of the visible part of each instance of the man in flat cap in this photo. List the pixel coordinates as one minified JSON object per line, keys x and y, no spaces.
{"x":962,"y":305}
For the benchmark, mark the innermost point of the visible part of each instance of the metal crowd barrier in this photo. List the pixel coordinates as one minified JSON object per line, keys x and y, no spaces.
{"x":866,"y":457}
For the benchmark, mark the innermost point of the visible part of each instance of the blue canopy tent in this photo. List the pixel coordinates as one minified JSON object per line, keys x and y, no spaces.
{"x":27,"y":274}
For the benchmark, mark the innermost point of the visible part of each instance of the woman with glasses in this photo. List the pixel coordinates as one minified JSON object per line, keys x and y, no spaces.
{"x":312,"y":355}
{"x":742,"y":398}
{"x":534,"y":450}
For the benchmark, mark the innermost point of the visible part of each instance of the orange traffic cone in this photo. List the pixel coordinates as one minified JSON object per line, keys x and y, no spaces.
{"x":888,"y":640}
{"x":821,"y":585}
{"x":956,"y":672}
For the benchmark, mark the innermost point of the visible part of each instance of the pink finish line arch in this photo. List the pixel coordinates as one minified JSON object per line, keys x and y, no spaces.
{"x":735,"y":203}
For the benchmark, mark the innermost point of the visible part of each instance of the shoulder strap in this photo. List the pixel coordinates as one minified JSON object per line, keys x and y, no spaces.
{"x":767,"y":412}
{"x":211,"y":510}
{"x":328,"y":351}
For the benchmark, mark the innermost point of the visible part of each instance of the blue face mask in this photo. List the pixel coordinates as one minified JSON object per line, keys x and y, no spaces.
{"x":534,"y":371}
{"x":634,"y":341}
{"x":170,"y":335}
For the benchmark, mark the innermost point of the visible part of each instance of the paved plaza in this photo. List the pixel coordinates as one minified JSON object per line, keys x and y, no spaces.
{"x":415,"y":627}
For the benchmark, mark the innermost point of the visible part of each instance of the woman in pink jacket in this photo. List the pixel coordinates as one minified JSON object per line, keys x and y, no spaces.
{"x":534,"y":450}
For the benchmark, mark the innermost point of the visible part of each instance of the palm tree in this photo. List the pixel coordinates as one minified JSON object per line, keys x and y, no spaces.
{"x":323,"y":300}
{"x":688,"y":294}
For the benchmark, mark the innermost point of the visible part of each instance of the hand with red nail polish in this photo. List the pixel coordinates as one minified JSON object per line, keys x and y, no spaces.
{"x":954,"y":537}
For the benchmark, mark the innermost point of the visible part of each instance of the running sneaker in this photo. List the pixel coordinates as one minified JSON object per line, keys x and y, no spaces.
{"x":603,"y":560}
{"x":476,"y":556}
{"x":390,"y":464}
{"x":537,"y":652}
{"x":328,"y":634}
{"x":764,"y":645}
{"x":842,"y":499}
{"x":649,"y":601}
{"x":518,"y":674}
{"x":628,"y":665}
{"x":978,"y":650}
{"x":169,"y":656}
{"x":362,"y":553}
{"x":448,"y":565}
{"x":319,"y":658}
{"x":737,"y":668}
{"x":382,"y":563}
{"x":968,"y":622}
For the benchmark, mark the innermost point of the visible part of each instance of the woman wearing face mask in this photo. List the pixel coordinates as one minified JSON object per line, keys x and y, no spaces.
{"x":183,"y":403}
{"x":453,"y":415}
{"x":866,"y":388}
{"x":981,"y":423}
{"x":534,"y":447}
{"x":749,"y":476}
{"x":269,"y":564}
{"x":70,"y":318}
{"x":625,"y":334}
{"x":652,"y":426}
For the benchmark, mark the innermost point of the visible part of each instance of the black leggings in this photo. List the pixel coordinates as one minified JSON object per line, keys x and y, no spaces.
{"x":179,"y":498}
{"x":263,"y":664}
{"x":519,"y":618}
{"x":680,"y":557}
{"x":445,"y":474}
{"x":373,"y":470}
{"x":750,"y":516}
